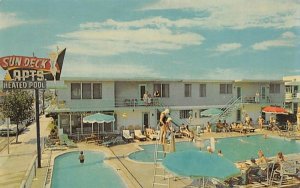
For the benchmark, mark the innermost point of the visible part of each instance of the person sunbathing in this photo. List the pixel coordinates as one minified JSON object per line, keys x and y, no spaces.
{"x":261,"y":157}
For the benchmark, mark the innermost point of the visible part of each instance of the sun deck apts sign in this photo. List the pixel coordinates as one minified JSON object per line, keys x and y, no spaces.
{"x":31,"y":72}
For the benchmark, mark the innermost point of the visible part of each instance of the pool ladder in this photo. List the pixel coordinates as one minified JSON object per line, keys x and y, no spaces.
{"x":160,"y":177}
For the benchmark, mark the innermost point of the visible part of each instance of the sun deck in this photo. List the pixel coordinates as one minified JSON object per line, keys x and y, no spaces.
{"x":140,"y":174}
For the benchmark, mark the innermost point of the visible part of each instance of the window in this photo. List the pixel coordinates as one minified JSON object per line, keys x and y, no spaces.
{"x":225,"y":88}
{"x":163,"y":89}
{"x":187,"y":90}
{"x":86,"y":91}
{"x":75,"y":91}
{"x":97,"y":91}
{"x":202,"y":92}
{"x":157,"y":87}
{"x":274,"y":88}
{"x":184,"y":114}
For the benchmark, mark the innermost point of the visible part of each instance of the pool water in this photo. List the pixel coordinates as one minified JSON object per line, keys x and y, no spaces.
{"x":233,"y":148}
{"x":93,"y":173}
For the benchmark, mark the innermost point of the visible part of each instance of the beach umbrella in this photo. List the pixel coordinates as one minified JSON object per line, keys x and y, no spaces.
{"x":98,"y":118}
{"x":274,"y":110}
{"x":198,"y":164}
{"x":212,"y":112}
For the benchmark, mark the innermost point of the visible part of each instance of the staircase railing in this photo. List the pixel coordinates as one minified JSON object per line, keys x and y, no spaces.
{"x":232,"y":104}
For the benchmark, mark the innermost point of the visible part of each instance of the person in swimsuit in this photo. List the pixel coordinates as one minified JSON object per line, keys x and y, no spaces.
{"x":81,"y":157}
{"x":163,"y":127}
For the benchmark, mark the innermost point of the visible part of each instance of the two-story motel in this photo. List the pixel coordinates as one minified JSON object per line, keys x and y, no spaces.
{"x":123,"y":98}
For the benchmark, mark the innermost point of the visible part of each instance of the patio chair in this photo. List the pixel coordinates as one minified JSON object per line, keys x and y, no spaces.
{"x":151,"y":134}
{"x":286,"y":171}
{"x":115,"y":141}
{"x":91,"y":138}
{"x":184,"y":131}
{"x":254,"y":174}
{"x":64,"y":140}
{"x":138,"y":135}
{"x":126,"y":136}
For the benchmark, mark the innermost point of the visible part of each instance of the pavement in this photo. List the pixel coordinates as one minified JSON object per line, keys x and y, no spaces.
{"x":14,"y":166}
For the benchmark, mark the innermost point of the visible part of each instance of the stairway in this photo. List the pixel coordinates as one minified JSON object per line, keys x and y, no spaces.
{"x":231,"y":105}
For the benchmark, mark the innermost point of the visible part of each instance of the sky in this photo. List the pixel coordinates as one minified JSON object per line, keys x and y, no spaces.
{"x":174,"y":39}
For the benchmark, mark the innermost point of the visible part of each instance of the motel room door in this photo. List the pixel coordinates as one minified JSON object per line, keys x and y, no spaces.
{"x":146,"y":120}
{"x":238,"y":92}
{"x":142,"y":91}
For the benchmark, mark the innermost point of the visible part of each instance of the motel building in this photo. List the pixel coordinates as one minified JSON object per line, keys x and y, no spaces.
{"x":77,"y":97}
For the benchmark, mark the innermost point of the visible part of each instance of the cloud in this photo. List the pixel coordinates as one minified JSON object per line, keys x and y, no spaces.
{"x":83,"y":68}
{"x":10,"y":20}
{"x":150,"y":36}
{"x":287,"y":39}
{"x":296,"y":70}
{"x":237,"y":14}
{"x":237,"y":74}
{"x":228,"y":47}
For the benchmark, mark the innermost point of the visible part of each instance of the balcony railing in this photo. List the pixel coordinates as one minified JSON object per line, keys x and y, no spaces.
{"x":253,"y":99}
{"x":135,"y":102}
{"x":291,"y":96}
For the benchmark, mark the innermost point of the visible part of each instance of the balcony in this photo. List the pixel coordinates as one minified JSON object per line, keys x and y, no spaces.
{"x":135,"y":102}
{"x":288,"y":96}
{"x":292,"y":97}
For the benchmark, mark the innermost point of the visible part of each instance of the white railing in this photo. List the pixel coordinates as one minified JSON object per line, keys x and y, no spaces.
{"x":135,"y":102}
{"x":290,"y":96}
{"x":31,"y":171}
{"x":30,"y":174}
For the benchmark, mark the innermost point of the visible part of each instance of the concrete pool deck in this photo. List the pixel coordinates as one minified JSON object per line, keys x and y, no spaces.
{"x":138,"y":174}
{"x":13,"y":167}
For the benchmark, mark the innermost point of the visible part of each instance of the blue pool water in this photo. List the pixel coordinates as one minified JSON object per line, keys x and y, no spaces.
{"x":234,"y":148}
{"x":93,"y":173}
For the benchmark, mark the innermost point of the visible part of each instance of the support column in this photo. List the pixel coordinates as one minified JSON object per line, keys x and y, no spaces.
{"x":70,"y":123}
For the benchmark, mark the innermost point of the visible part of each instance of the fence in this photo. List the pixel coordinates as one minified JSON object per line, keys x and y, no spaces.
{"x":30,"y":173}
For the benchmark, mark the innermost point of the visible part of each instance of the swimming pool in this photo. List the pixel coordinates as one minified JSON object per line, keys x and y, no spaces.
{"x":234,"y":148}
{"x":68,"y":172}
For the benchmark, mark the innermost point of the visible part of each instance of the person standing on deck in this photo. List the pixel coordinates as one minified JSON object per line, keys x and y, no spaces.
{"x":261,"y":122}
{"x":163,"y":127}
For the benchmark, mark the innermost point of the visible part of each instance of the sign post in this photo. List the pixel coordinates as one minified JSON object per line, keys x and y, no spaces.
{"x":37,"y":118}
{"x":7,"y":121}
{"x":32,"y":73}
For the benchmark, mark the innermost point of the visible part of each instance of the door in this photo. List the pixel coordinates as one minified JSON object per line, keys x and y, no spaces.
{"x":263,"y":92}
{"x":142,"y":91}
{"x":238,"y":92}
{"x":146,"y":120}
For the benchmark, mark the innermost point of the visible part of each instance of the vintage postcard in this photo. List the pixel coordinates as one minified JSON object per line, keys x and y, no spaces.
{"x":149,"y":93}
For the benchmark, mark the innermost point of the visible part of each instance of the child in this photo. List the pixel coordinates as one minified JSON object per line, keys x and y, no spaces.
{"x":81,"y":157}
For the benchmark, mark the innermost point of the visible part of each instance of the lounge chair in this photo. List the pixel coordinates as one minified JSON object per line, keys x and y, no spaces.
{"x":126,"y":136}
{"x":184,"y":131}
{"x":287,"y":170}
{"x":115,"y":141}
{"x":254,"y":174}
{"x":249,"y":128}
{"x":151,"y":134}
{"x":91,"y":138}
{"x":237,"y":128}
{"x":138,"y":135}
{"x":64,"y":140}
